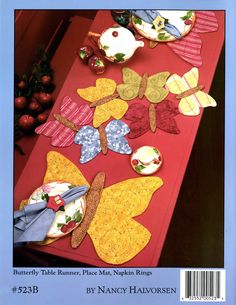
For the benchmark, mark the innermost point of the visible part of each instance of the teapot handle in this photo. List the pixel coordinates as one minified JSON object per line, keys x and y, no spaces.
{"x":94,"y":37}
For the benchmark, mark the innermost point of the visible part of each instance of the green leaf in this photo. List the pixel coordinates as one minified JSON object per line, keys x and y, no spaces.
{"x":62,"y":208}
{"x":139,"y":168}
{"x":156,"y":151}
{"x":77,"y":216}
{"x":59,"y":225}
{"x":115,"y":26}
{"x":82,"y":54}
{"x":106,"y":47}
{"x":45,"y":197}
{"x":68,"y":218}
{"x":120,"y":56}
{"x":137,"y":20}
{"x":162,"y":36}
{"x":99,"y":63}
{"x":189,"y":14}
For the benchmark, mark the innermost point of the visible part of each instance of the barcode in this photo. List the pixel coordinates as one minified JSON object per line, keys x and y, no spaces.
{"x":202,"y":285}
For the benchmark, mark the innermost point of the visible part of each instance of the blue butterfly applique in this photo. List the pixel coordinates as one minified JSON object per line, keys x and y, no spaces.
{"x":89,"y":138}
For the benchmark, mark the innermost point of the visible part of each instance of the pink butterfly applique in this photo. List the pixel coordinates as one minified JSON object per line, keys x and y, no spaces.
{"x":189,"y":47}
{"x":60,"y":134}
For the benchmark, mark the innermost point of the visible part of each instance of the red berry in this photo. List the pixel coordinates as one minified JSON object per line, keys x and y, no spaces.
{"x":115,"y":33}
{"x":42,"y":117}
{"x":65,"y":228}
{"x":97,"y":64}
{"x":44,"y":98}
{"x":26,"y":122}
{"x":21,"y":85}
{"x":71,"y":224}
{"x":156,"y":161}
{"x":188,"y":22}
{"x":135,"y":162}
{"x":20,"y":102}
{"x":46,"y":80}
{"x":35,"y":106}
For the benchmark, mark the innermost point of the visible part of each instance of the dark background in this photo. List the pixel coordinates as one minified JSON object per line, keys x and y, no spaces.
{"x":196,"y":234}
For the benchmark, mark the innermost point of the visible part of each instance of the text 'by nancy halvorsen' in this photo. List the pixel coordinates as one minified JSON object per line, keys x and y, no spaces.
{"x":130,"y":290}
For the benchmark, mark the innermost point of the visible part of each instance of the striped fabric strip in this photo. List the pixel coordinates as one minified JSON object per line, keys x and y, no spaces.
{"x":61,"y":135}
{"x":188,"y":48}
{"x":205,"y":22}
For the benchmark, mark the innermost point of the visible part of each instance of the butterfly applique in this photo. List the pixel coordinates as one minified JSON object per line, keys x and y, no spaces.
{"x":115,"y":234}
{"x":137,"y":86}
{"x":63,"y":129}
{"x":189,"y":92}
{"x":106,"y":100}
{"x":94,"y":140}
{"x":143,"y":119}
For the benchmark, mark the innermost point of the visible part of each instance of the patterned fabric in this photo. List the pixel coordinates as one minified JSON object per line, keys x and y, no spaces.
{"x":189,"y":47}
{"x":205,"y":22}
{"x":89,"y":138}
{"x":150,"y":15}
{"x":61,"y":135}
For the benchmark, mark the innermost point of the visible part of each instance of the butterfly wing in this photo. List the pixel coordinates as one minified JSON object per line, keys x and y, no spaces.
{"x":104,"y":87}
{"x":188,"y":105}
{"x":206,"y":22}
{"x":188,"y":48}
{"x":88,"y":137}
{"x":130,"y":76}
{"x":80,"y":115}
{"x":155,"y":92}
{"x":130,"y":88}
{"x":115,"y":108}
{"x":117,"y":237}
{"x":61,"y":135}
{"x":165,"y":113}
{"x":115,"y":131}
{"x":175,"y":84}
{"x":138,"y":115}
{"x":59,"y":168}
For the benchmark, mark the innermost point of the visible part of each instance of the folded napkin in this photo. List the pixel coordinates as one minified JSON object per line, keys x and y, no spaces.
{"x":34,"y":221}
{"x":150,"y":15}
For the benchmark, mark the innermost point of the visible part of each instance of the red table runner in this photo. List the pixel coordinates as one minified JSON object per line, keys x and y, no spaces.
{"x":176,"y":149}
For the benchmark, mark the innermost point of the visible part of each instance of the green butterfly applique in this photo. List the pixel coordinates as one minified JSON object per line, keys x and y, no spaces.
{"x":138,"y":86}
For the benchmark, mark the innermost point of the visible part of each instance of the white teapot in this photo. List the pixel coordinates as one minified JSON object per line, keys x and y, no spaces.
{"x":117,"y":43}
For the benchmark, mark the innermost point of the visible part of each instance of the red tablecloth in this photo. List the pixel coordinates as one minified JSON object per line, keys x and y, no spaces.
{"x":175,"y":149}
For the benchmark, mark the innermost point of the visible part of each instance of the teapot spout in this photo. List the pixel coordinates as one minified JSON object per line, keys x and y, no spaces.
{"x":139,"y":44}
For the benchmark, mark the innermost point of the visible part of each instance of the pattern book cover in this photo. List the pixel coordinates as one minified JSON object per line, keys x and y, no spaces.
{"x":117,"y":152}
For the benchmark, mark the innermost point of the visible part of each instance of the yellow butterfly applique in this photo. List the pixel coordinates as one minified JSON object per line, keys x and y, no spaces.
{"x":116,"y":236}
{"x":149,"y":86}
{"x":189,"y":92}
{"x":111,"y":105}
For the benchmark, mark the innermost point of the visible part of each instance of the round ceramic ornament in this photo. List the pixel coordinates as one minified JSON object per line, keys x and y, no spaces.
{"x":66,"y":219}
{"x":162,"y":25}
{"x":146,"y":160}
